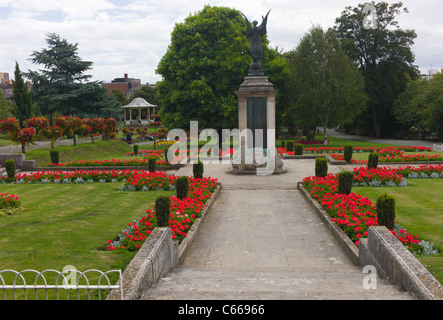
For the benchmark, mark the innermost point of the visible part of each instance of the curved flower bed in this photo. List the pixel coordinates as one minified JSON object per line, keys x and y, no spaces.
{"x":183,"y":214}
{"x":147,"y":153}
{"x":353,"y":213}
{"x":109,"y":163}
{"x":378,"y":176}
{"x":77,"y":176}
{"x":383,"y":151}
{"x":417,"y":172}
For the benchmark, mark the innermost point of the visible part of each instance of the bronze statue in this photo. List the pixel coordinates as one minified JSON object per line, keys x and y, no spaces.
{"x":255,"y":46}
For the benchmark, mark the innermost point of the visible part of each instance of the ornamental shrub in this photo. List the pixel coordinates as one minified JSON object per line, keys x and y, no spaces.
{"x":151,"y":164}
{"x":182,"y":187}
{"x":372,"y":160}
{"x":283,"y":143}
{"x":166,"y":153}
{"x":385,"y":207}
{"x":289,"y":146}
{"x":162,"y":210}
{"x":55,"y":156}
{"x":345,"y":181}
{"x":348,"y":149}
{"x":10,"y":168}
{"x":198,"y":169}
{"x":135,"y":149}
{"x":321,"y":167}
{"x":298,"y":149}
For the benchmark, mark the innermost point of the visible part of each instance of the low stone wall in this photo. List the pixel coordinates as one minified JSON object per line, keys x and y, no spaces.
{"x":387,"y":254}
{"x":396,"y":263}
{"x":157,"y":257}
{"x":20,"y":162}
{"x":186,"y":244}
{"x":346,"y":243}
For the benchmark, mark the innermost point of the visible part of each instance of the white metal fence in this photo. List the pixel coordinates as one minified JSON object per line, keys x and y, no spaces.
{"x":71,"y":284}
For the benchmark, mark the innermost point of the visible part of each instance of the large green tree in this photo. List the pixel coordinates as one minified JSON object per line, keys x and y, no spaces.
{"x":62,"y":85}
{"x":420,"y":107}
{"x":372,"y":38}
{"x":329,"y":87}
{"x":204,"y":65}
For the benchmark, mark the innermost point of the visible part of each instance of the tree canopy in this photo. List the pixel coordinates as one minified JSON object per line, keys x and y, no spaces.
{"x":62,"y":85}
{"x":204,"y":65}
{"x":420,"y":107}
{"x":382,"y":50}
{"x":329,"y":88}
{"x":22,"y":97}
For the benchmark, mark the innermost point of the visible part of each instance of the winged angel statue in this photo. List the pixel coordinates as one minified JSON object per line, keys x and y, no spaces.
{"x":254,"y":32}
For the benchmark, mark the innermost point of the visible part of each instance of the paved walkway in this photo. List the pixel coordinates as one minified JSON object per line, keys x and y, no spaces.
{"x":262,"y":240}
{"x":419,"y":143}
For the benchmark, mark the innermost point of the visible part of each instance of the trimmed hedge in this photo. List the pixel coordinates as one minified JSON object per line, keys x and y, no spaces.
{"x":162,"y":210}
{"x":372,"y":160}
{"x":10,"y":168}
{"x":345,"y":181}
{"x":55,"y":156}
{"x":152,"y":164}
{"x":321,"y":167}
{"x":386,"y":211}
{"x":289,"y":146}
{"x":298,"y":149}
{"x":198,"y":170}
{"x":182,"y":187}
{"x":347,"y":152}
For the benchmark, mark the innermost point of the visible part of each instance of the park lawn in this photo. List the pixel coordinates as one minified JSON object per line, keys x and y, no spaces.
{"x":339,"y":142}
{"x":69,"y":225}
{"x":99,"y":150}
{"x":418,"y":209}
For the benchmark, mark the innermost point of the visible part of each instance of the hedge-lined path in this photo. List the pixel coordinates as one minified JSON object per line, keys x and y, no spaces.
{"x":262,"y":240}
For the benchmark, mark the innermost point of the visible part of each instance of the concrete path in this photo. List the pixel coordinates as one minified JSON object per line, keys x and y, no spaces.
{"x":436,"y":145}
{"x":261,"y":240}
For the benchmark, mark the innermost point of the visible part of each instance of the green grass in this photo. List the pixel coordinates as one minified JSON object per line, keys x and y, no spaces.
{"x":99,"y":150}
{"x":339,"y":142}
{"x":419,"y":210}
{"x":364,"y":156}
{"x":69,"y":225}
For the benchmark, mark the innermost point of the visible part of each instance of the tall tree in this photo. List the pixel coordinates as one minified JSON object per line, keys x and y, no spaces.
{"x":329,"y":87}
{"x":383,"y":53}
{"x":5,"y":107}
{"x":420,"y":106}
{"x":62,"y":83}
{"x":204,"y":65}
{"x":22,"y":97}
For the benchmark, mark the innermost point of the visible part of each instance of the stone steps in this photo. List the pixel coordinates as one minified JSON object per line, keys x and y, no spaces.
{"x":343,"y":283}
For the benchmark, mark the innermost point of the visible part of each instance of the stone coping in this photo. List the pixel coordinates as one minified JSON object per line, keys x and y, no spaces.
{"x":346,"y":243}
{"x":158,"y":256}
{"x":383,"y":250}
{"x":395,"y":262}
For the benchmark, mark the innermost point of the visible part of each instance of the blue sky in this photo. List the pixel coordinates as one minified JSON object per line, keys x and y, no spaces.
{"x":132,"y":36}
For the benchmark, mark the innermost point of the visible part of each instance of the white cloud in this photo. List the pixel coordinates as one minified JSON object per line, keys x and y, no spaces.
{"x":122,"y":36}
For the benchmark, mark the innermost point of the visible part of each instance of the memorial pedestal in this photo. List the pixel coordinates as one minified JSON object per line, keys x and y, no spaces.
{"x":257,"y":153}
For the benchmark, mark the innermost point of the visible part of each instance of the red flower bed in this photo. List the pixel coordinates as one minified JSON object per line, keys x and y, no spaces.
{"x":183,"y":214}
{"x":353,"y":213}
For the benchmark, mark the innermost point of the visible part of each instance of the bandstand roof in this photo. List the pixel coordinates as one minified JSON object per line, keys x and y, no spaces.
{"x":138,"y":103}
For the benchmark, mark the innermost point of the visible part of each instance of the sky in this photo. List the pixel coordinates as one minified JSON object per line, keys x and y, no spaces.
{"x":131,"y":36}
